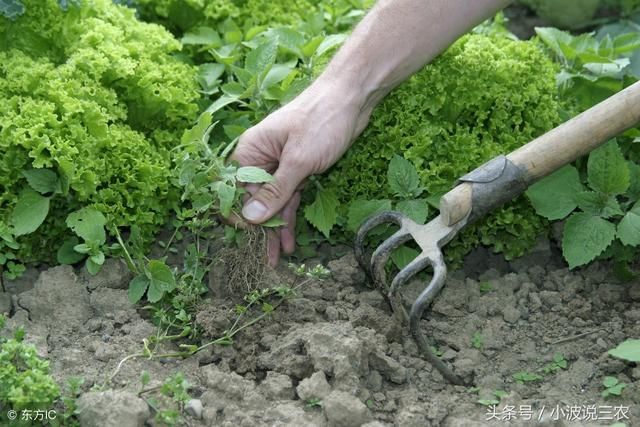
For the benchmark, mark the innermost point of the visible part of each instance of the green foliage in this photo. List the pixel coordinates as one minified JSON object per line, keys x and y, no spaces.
{"x":93,"y":101}
{"x":477,"y":340}
{"x":612,"y":387}
{"x":525,"y":377}
{"x":184,"y":15}
{"x":628,"y":350}
{"x":606,"y":211}
{"x":484,"y":96}
{"x":558,"y":362}
{"x":566,"y":13}
{"x":25,"y":381}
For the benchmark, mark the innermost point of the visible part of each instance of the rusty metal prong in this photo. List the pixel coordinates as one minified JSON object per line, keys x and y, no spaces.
{"x":414,"y":267}
{"x":365,"y":229}
{"x":417,"y":309}
{"x":382,"y":253}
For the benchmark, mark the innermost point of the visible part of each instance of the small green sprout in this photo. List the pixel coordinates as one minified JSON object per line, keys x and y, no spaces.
{"x":612,"y":387}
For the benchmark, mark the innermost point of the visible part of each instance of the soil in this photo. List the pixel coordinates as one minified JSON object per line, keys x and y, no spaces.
{"x":336,"y":356}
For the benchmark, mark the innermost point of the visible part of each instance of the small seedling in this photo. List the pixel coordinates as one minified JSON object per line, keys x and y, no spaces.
{"x":485,"y":287}
{"x":524,"y":377}
{"x":314,"y":403}
{"x":476,"y":340}
{"x":499,"y":394}
{"x":612,"y":387}
{"x":558,"y":362}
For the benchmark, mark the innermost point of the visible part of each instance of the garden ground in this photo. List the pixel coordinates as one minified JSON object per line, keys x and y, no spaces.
{"x":530,"y":334}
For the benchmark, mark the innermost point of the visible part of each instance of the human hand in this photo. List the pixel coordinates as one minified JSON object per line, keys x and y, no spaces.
{"x":303,"y":138}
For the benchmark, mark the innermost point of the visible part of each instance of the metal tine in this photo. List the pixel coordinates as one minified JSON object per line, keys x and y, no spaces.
{"x":382,"y":253}
{"x":414,"y":267}
{"x":365,"y":228}
{"x":421,"y":303}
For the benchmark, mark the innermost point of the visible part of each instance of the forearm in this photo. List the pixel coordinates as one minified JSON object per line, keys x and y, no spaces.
{"x":394,"y":40}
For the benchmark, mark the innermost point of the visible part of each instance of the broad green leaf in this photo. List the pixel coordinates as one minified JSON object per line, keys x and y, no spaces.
{"x":42,"y":180}
{"x":554,"y":38}
{"x":233,"y":89}
{"x":627,"y":42}
{"x":11,"y":8}
{"x":199,"y":132}
{"x":202,"y":36}
{"x":88,"y":223}
{"x":29,"y":213}
{"x":312,"y":45}
{"x":608,"y":170}
{"x":633,"y":192}
{"x":360,"y":210}
{"x":66,"y":254}
{"x":554,"y":196}
{"x":403,"y":178}
{"x":276,"y":74}
{"x":322,"y":213}
{"x":402,"y":256}
{"x":209,"y":77}
{"x":221,"y":102}
{"x":329,"y":43}
{"x":628,"y":350}
{"x":161,"y":276}
{"x":276,"y":221}
{"x":599,"y":204}
{"x":417,"y":209}
{"x":629,"y":227}
{"x":288,"y":38}
{"x":137,"y":287}
{"x":92,"y":267}
{"x":253,"y":174}
{"x":261,"y":58}
{"x":585,"y":237}
{"x":226,"y":196}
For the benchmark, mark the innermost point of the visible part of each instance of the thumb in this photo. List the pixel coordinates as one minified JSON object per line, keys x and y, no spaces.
{"x":271,"y":197}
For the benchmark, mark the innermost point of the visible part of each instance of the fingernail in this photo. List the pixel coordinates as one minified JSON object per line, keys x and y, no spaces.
{"x":253,"y":211}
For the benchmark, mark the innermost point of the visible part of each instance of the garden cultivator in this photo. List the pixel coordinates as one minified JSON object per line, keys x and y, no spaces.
{"x":477,"y":193}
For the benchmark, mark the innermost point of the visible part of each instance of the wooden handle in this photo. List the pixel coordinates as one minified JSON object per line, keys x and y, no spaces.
{"x":559,"y":146}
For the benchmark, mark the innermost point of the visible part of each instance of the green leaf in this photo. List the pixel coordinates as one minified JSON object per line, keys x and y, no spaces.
{"x":92,"y":267}
{"x":29,"y":213}
{"x":11,"y":8}
{"x":274,"y":222}
{"x":329,"y":43}
{"x":360,"y":210}
{"x":137,"y":287}
{"x":252,"y":174}
{"x":322,"y":213}
{"x":417,"y":209}
{"x":202,"y":36}
{"x":98,"y":258}
{"x":226,"y":195}
{"x":261,"y":58}
{"x":162,"y":279}
{"x":402,"y":256}
{"x":598,"y":204}
{"x":585,"y":237}
{"x":609,"y":381}
{"x":403,"y":178}
{"x":629,"y":227}
{"x":88,"y":223}
{"x":633,"y":192}
{"x":42,"y":180}
{"x":554,"y":196}
{"x":608,"y":170}
{"x":628,"y":350}
{"x":67,"y":255}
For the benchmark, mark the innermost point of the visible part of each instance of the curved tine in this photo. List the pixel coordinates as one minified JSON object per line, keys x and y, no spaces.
{"x":414,"y":267}
{"x":418,"y":307}
{"x":383,"y":252}
{"x":365,"y":228}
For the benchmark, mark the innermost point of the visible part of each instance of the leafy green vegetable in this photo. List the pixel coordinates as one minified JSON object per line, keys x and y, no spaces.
{"x":94,"y":101}
{"x":554,"y":197}
{"x":322,"y":213}
{"x":479,"y":99}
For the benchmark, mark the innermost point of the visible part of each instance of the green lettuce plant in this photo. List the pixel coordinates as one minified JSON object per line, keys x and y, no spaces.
{"x":93,"y":102}
{"x":484,"y":96}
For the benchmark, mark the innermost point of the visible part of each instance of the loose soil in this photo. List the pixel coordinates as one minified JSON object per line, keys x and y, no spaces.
{"x":335,"y":356}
